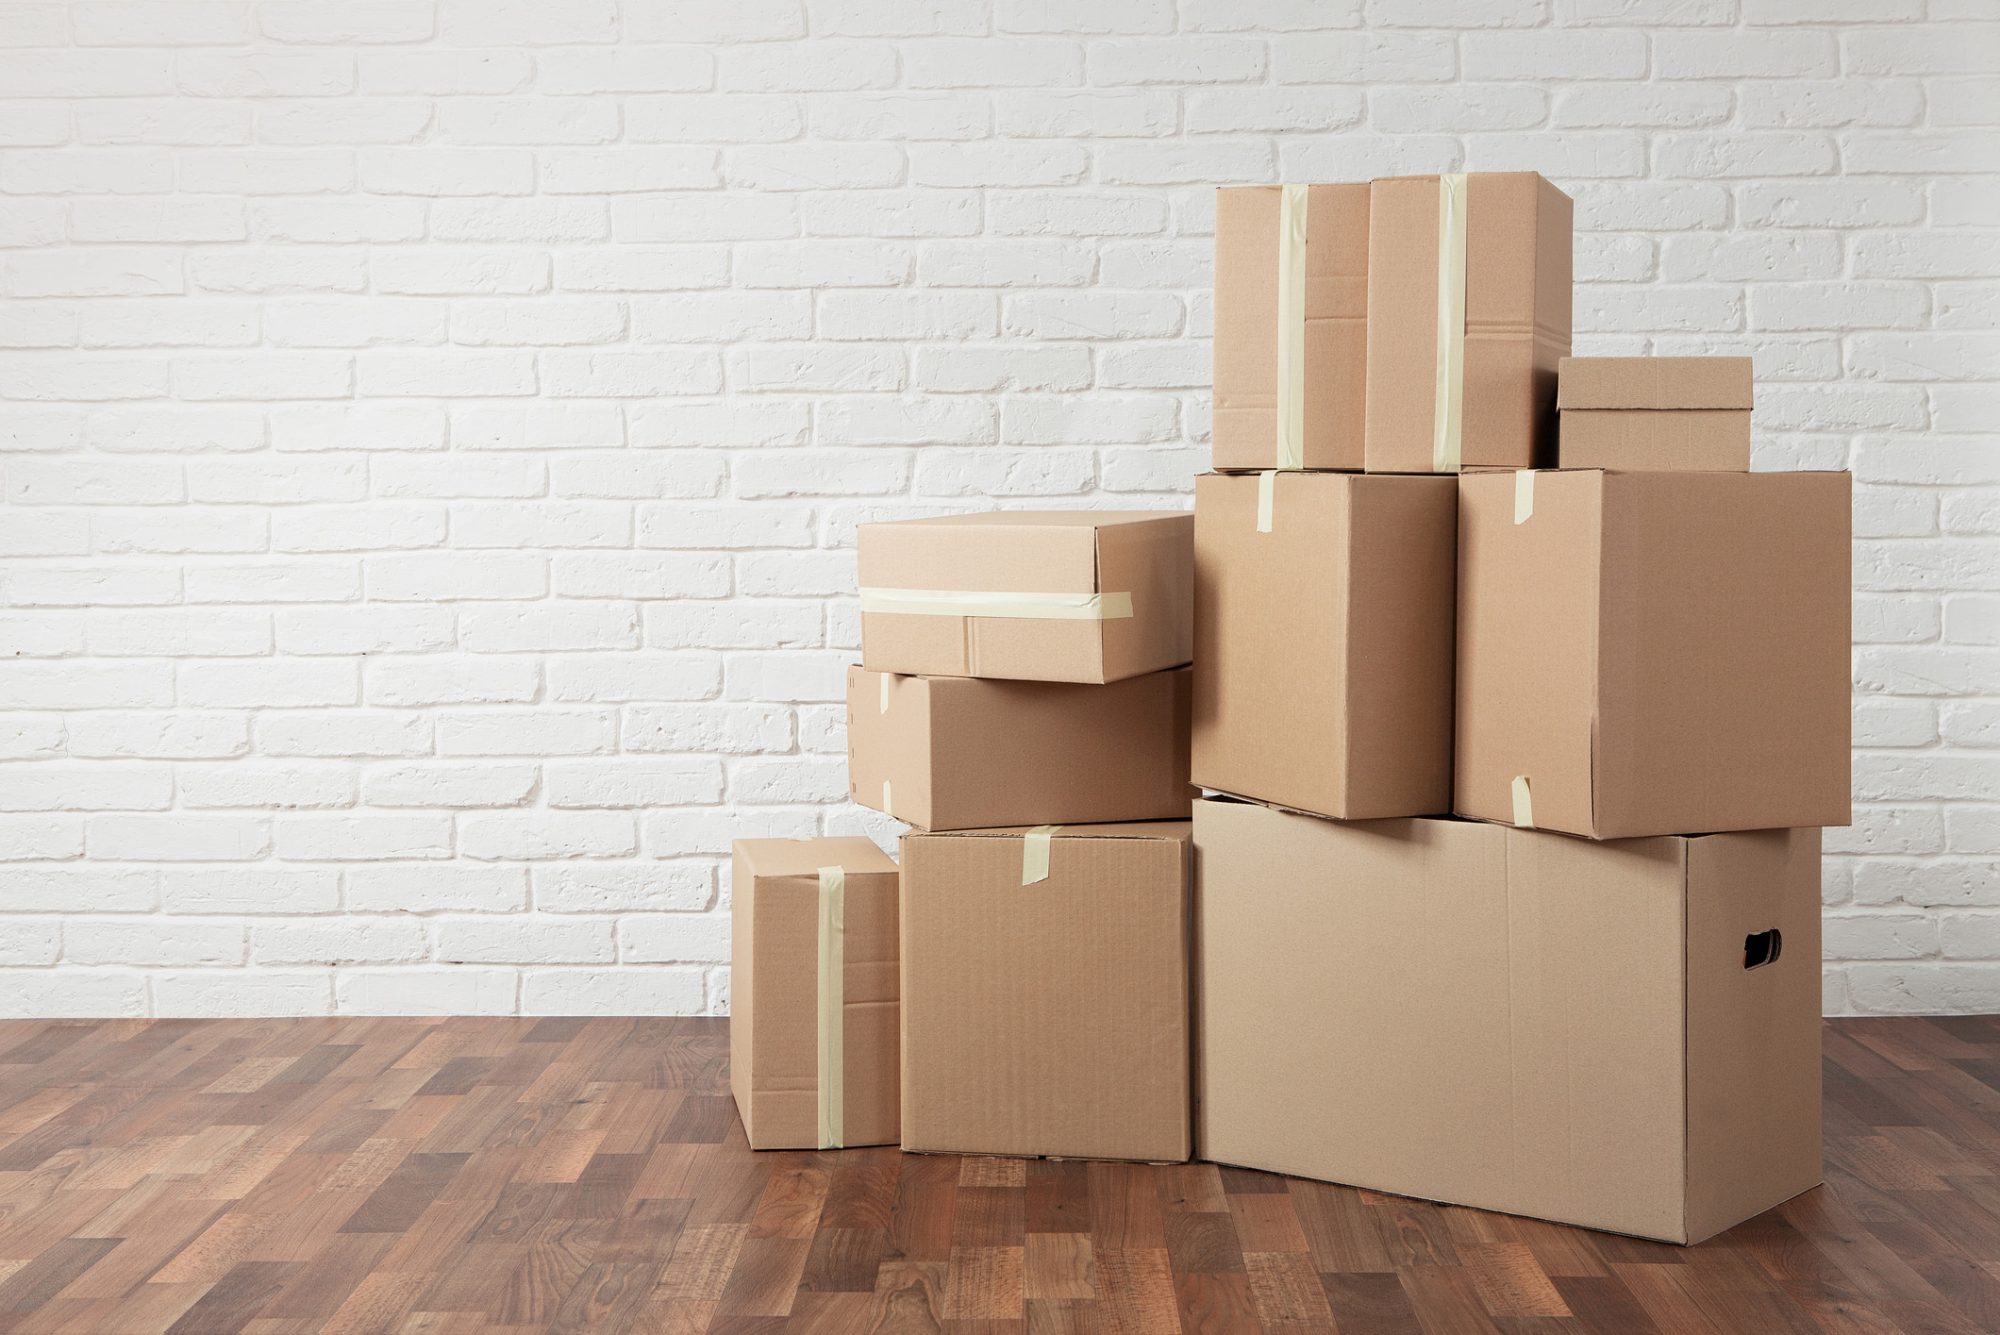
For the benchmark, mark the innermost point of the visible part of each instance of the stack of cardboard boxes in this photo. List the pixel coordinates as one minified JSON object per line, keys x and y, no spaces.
{"x":1517,"y":742}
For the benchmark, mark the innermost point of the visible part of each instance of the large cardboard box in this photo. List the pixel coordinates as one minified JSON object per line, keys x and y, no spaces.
{"x":1640,"y":413}
{"x":1090,"y":596}
{"x":1653,"y":653}
{"x":1291,"y":326}
{"x":1323,"y":634}
{"x":814,"y":1020}
{"x":1510,"y":275}
{"x":1045,"y":985}
{"x":959,"y":753}
{"x":1619,"y":1035}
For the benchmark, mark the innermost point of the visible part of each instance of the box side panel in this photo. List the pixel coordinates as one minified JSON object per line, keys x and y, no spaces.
{"x":1154,"y":562}
{"x":871,"y":1011}
{"x":1402,"y":323}
{"x":742,"y":986}
{"x":1244,"y":429}
{"x":1753,"y":1032}
{"x":1270,"y":718}
{"x":1046,"y":1019}
{"x":980,"y":558}
{"x":1509,"y":406}
{"x":1639,"y":440}
{"x":1725,"y":692}
{"x":1403,"y":558}
{"x":1655,"y":382}
{"x":1336,"y":320}
{"x":889,"y":743}
{"x":1032,"y":753}
{"x":1527,"y":671}
{"x":784,"y":1060}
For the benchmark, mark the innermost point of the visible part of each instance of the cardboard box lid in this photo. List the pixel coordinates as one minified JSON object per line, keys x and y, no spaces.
{"x":1135,"y":829}
{"x":1654,"y":382}
{"x":804,"y":857}
{"x":1002,"y":551}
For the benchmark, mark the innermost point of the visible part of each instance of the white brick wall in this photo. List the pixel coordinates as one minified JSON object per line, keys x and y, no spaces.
{"x":433,"y":431}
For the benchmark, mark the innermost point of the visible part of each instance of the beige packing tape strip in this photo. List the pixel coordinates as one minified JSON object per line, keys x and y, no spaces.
{"x":885,"y":687}
{"x":1291,"y":414}
{"x":963,"y":603}
{"x":1524,"y":495}
{"x":832,"y":1004}
{"x":1267,"y":499}
{"x":1448,"y":402}
{"x":1524,"y":803}
{"x":1035,"y":853}
{"x":887,"y":810}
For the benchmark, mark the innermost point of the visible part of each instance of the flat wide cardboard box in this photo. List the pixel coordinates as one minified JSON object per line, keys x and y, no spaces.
{"x":1653,"y":653}
{"x":1088,"y":595}
{"x":960,"y":753}
{"x":1644,"y":413}
{"x":1334,"y":319}
{"x":1323,"y":648}
{"x":1048,"y":1018}
{"x":1517,"y":321}
{"x":774,"y":917}
{"x":1619,"y":1035}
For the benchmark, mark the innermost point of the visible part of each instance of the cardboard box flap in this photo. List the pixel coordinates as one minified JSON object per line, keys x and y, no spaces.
{"x":1654,"y":383}
{"x":1138,"y":829}
{"x":1021,"y":555}
{"x":804,"y":857}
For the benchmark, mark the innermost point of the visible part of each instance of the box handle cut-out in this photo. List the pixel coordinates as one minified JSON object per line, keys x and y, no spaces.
{"x":1761,"y":948}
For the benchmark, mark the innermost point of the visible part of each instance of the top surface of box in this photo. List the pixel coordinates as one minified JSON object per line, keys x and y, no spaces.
{"x":1654,"y":382}
{"x":1086,"y":596}
{"x":804,"y":857}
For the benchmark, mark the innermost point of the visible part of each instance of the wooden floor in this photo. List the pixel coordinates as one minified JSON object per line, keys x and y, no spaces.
{"x":526,"y":1175}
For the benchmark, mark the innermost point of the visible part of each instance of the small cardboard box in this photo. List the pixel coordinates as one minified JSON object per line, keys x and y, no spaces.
{"x":1515,"y":289}
{"x":1291,"y":325}
{"x":1091,"y":596}
{"x":958,"y":753}
{"x":1619,"y":1035}
{"x":796,"y":904}
{"x":1323,"y":658}
{"x":1655,"y":413}
{"x":1653,"y":653}
{"x":1045,"y":978}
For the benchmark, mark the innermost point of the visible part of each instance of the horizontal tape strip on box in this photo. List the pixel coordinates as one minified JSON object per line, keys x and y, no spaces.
{"x":1035,"y":606}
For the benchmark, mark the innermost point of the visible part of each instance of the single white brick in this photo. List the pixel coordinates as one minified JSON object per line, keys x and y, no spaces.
{"x":345,"y":733}
{"x":714,"y":118}
{"x":347,"y":940}
{"x":453,"y":680}
{"x":267,"y":480}
{"x":242,"y":993}
{"x":429,"y":576}
{"x":94,"y":586}
{"x":636,"y":69}
{"x":536,"y":732}
{"x":676,"y":834}
{"x":525,"y":939}
{"x":425,"y":991}
{"x":176,"y":735}
{"x":528,"y":627}
{"x":1086,"y":114}
{"x":706,"y":729}
{"x":357,"y":527}
{"x":547,"y":835}
{"x":253,"y":890}
{"x":280,"y":683}
{"x":31,"y":941}
{"x":64,"y":685}
{"x":324,"y":581}
{"x":70,"y":993}
{"x":31,"y":736}
{"x":673,"y":938}
{"x":541,"y":524}
{"x":450,"y":786}
{"x":593,"y":888}
{"x":742,"y":624}
{"x":991,"y":62}
{"x":179,"y":838}
{"x":826,"y":64}
{"x":648,"y":782}
{"x":91,"y":786}
{"x":353,"y":837}
{"x":631,"y":375}
{"x":428,"y":888}
{"x":629,"y":676}
{"x":265,"y":784}
{"x":624,"y":991}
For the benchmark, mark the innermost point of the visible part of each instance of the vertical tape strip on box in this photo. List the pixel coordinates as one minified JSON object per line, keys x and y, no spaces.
{"x":1035,"y":853}
{"x":1267,"y":489}
{"x":1449,"y":390}
{"x":832,"y":1003}
{"x":1524,"y":495}
{"x":1291,"y":415}
{"x":1524,"y":803}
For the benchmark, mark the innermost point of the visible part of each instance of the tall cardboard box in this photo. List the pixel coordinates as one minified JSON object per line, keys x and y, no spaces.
{"x":959,"y":753}
{"x":1645,"y":413}
{"x":1468,"y":315}
{"x":1619,"y":1035}
{"x":1087,"y":596}
{"x":814,"y":1021}
{"x":1291,"y":326}
{"x":1323,"y":634}
{"x":1045,"y":992}
{"x":1653,"y":653}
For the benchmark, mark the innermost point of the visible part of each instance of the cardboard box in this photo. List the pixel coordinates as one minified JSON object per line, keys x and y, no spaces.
{"x":1516,"y":323}
{"x":1512,"y":1019}
{"x":1652,"y":413}
{"x":795,"y":903}
{"x":1090,"y":596}
{"x":1323,"y":658}
{"x":1653,"y":653}
{"x":1045,"y":978}
{"x":958,"y":753}
{"x":1291,"y":326}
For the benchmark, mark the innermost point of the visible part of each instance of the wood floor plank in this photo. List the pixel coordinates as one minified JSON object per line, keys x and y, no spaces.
{"x":363,"y":1175}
